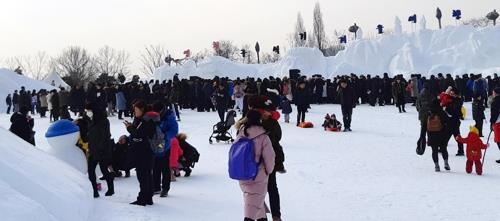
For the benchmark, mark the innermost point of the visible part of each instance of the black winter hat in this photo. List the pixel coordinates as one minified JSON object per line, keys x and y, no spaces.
{"x":261,"y":102}
{"x":497,"y":90}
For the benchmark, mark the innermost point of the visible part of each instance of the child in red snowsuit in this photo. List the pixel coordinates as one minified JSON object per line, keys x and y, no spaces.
{"x":474,"y":147}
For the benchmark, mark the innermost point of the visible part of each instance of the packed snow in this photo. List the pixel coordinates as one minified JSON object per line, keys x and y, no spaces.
{"x":10,"y":81}
{"x":37,"y":186}
{"x":56,"y":80}
{"x":454,"y":49}
{"x":372,"y":173}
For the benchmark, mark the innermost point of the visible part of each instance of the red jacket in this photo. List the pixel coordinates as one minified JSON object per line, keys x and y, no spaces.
{"x":445,"y":99}
{"x":175,"y":153}
{"x":474,"y":146}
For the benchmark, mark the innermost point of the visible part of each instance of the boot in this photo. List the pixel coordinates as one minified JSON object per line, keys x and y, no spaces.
{"x":164,"y":193}
{"x":111,"y":187}
{"x":138,"y":203}
{"x":460,"y":150}
{"x":188,"y":172}
{"x":127,"y":173}
{"x":118,"y":174}
{"x":446,"y":165}
{"x":437,"y":168}
{"x":96,"y":194}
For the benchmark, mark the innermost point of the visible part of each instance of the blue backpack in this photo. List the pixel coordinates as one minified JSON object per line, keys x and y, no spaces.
{"x":242,"y":165}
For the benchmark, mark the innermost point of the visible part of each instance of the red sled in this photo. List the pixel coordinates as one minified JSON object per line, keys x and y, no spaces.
{"x":333,"y":129}
{"x":306,"y":125}
{"x":496,"y":129}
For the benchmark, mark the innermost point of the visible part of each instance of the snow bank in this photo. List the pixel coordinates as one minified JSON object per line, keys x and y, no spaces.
{"x":10,"y":81}
{"x":454,"y":49}
{"x":56,"y":80}
{"x":35,"y":184}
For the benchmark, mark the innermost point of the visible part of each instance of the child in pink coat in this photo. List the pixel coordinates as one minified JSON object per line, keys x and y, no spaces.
{"x":175,"y":153}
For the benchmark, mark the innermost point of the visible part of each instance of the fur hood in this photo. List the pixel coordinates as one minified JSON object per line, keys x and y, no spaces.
{"x":181,"y":137}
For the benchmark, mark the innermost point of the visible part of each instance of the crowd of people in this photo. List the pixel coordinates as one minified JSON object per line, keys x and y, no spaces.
{"x":154,"y":107}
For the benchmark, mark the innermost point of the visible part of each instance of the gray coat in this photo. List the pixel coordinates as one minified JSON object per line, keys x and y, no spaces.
{"x":43,"y":101}
{"x":423,"y":104}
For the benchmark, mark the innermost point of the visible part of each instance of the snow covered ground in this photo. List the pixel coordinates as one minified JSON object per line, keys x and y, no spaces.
{"x":372,"y":173}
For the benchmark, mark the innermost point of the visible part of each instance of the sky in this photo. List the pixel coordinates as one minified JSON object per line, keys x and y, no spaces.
{"x":28,"y":26}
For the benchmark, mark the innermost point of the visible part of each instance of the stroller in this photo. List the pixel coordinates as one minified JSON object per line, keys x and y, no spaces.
{"x":221,"y":130}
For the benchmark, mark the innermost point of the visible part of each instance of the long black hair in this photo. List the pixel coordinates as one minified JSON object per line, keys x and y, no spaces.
{"x":253,"y":119}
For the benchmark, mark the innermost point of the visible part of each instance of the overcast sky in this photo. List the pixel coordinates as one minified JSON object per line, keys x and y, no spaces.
{"x":28,"y":26}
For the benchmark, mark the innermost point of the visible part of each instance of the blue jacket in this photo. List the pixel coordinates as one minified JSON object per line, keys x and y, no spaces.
{"x":170,"y":127}
{"x":121,"y":103}
{"x":286,"y":107}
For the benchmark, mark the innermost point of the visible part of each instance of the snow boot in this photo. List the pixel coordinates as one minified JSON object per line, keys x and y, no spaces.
{"x":111,"y":187}
{"x":437,"y":168}
{"x":118,"y":174}
{"x":446,"y":165}
{"x":127,"y":174}
{"x":498,"y":161}
{"x":188,"y":172}
{"x":138,"y":203}
{"x":96,"y":194}
{"x":164,"y":193}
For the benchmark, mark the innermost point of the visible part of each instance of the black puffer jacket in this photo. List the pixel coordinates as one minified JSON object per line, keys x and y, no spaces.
{"x":22,"y":126}
{"x":141,"y":131}
{"x":273,"y":130}
{"x":301,"y":99}
{"x":99,"y":138}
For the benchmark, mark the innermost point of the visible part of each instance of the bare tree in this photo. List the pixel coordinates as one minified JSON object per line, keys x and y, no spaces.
{"x":319,"y":28}
{"x":269,"y":58}
{"x":112,"y":62}
{"x":201,"y":55}
{"x":40,"y":67}
{"x":250,"y":56}
{"x":12,"y":63}
{"x":299,"y":28}
{"x":76,"y":65}
{"x":152,"y":58}
{"x":228,"y":50}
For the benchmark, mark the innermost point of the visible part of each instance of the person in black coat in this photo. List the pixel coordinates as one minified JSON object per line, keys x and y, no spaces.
{"x":478,"y":113}
{"x":15,"y":101}
{"x":141,"y":130}
{"x":347,"y":102}
{"x":398,"y":93}
{"x":221,"y":101}
{"x":301,"y":100}
{"x":120,"y":156}
{"x":495,"y":111}
{"x":8,"y":101}
{"x":100,"y":148}
{"x":55,"y":105}
{"x":22,"y":125}
{"x":438,"y":140}
{"x":454,"y":111}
